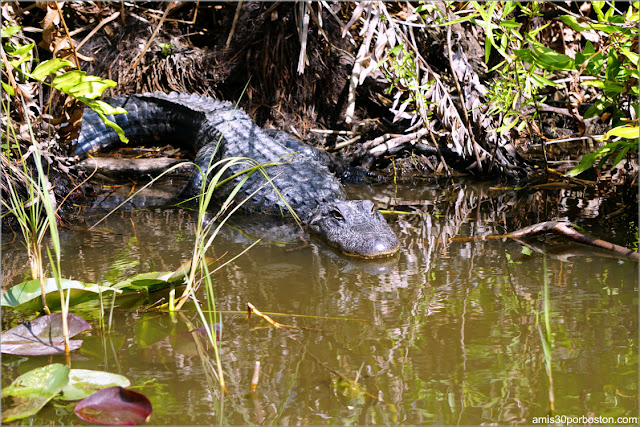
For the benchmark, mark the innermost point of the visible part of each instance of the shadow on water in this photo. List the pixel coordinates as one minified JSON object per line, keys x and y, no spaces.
{"x":443,"y":333}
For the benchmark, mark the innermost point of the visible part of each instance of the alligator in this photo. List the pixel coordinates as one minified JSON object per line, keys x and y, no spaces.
{"x":217,"y":130}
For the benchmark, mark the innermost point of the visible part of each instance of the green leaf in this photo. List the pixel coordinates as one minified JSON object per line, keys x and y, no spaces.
{"x":21,"y":50}
{"x":9,"y":31}
{"x":629,"y":132}
{"x":587,"y":162}
{"x":507,"y":126}
{"x":31,"y":391}
{"x":27,"y":295}
{"x":511,"y":23}
{"x":84,"y":382}
{"x":631,"y":56}
{"x":542,"y":82}
{"x":113,"y":126}
{"x":91,"y":89}
{"x":79,"y":85}
{"x":7,"y":88}
{"x":613,"y":66}
{"x":149,"y":280}
{"x":49,"y":67}
{"x":573,"y":23}
{"x":102,"y":107}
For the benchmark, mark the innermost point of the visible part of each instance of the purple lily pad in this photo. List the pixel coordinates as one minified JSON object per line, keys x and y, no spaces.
{"x":114,"y":406}
{"x":43,"y":336}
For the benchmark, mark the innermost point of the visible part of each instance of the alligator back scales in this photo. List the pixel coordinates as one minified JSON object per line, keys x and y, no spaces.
{"x":217,"y":129}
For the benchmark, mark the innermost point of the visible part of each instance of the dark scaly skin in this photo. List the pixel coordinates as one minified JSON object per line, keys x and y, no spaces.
{"x":217,"y":130}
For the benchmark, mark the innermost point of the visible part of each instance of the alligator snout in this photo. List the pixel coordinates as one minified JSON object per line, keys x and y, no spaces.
{"x":354,"y":227}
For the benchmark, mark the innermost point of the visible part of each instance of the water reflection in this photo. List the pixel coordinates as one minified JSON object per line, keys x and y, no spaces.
{"x":444,"y":333}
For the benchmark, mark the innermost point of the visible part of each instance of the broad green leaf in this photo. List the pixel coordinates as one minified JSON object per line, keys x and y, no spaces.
{"x":9,"y":31}
{"x":145,"y":280}
{"x":74,"y":82}
{"x":49,"y":67}
{"x":78,"y":84}
{"x":155,"y":280}
{"x":31,"y":391}
{"x":622,"y":153}
{"x":629,"y":132}
{"x":27,"y":295}
{"x":91,"y":89}
{"x":84,"y":382}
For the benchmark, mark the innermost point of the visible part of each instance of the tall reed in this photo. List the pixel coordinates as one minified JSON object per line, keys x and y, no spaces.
{"x":35,"y":212}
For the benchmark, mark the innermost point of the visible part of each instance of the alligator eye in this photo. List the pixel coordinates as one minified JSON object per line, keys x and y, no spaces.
{"x":335,"y":213}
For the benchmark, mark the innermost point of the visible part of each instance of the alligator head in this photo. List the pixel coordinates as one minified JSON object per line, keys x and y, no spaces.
{"x":354,"y":227}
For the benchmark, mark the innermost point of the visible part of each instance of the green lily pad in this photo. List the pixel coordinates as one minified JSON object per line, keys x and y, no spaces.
{"x":151,"y":280}
{"x":42,"y":336}
{"x":156,"y":280}
{"x":84,"y":382}
{"x":27,"y":295}
{"x":31,"y":391}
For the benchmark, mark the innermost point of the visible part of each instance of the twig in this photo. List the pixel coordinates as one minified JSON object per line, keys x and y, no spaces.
{"x":64,"y":24}
{"x":333,"y":132}
{"x":155,"y":32}
{"x":394,"y":142}
{"x":97,"y":28}
{"x":233,"y":24}
{"x":346,"y":143}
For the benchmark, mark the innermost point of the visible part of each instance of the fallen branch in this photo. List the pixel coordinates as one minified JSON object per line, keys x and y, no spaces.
{"x":563,"y":229}
{"x":137,"y":167}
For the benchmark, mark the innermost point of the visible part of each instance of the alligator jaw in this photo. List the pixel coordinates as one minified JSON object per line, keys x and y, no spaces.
{"x":355,"y":228}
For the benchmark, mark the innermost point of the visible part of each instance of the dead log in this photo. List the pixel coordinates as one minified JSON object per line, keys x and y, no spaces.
{"x":133,"y":167}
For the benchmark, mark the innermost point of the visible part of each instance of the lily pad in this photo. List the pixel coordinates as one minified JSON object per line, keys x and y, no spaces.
{"x":43,"y":336}
{"x":31,"y":391}
{"x":156,"y":280}
{"x":27,"y":295}
{"x":150,"y":280}
{"x":84,"y":382}
{"x":114,"y":406}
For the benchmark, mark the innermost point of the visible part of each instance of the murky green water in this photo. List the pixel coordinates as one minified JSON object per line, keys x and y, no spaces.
{"x":444,"y":333}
